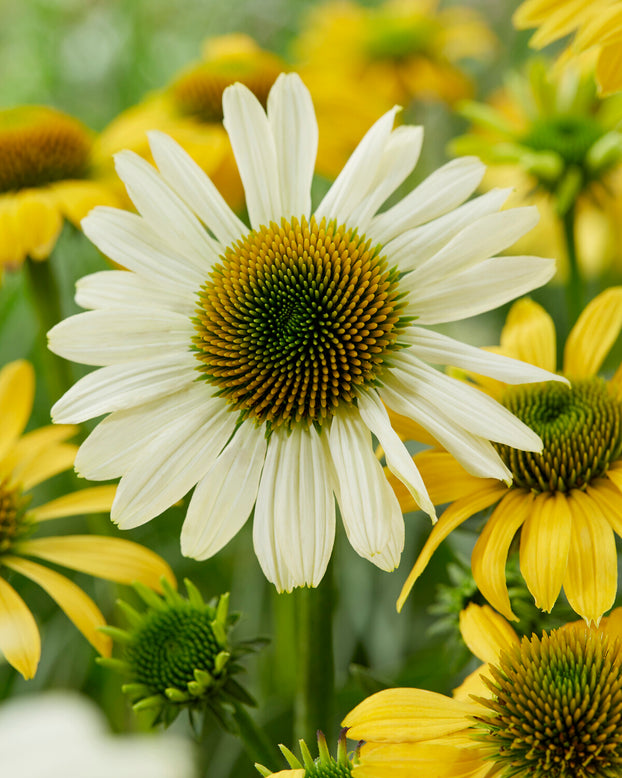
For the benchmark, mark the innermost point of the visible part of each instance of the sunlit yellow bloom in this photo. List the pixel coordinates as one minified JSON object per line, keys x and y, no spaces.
{"x":598,"y":28}
{"x":549,"y":136}
{"x":566,"y":501}
{"x":545,"y":706}
{"x":50,"y":170}
{"x":25,"y":461}
{"x":324,"y":765}
{"x":189,"y":109}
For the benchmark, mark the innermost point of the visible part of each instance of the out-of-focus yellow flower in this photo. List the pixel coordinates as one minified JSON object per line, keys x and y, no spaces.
{"x":549,"y":136}
{"x":27,"y":460}
{"x":50,"y":170}
{"x":567,"y":500}
{"x":598,"y":27}
{"x":189,"y":109}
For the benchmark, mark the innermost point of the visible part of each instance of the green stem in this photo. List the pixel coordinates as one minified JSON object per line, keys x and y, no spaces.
{"x":316,"y":686}
{"x":574,"y":287}
{"x":256,"y":744}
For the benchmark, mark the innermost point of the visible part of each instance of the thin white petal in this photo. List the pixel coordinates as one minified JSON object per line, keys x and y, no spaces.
{"x":224,"y":497}
{"x":294,"y":127}
{"x":255,"y":152}
{"x":441,"y":192}
{"x":165,"y":212}
{"x":492,"y":283}
{"x":399,"y":461}
{"x":130,"y":241}
{"x":118,"y":387}
{"x":440,"y":349}
{"x":123,"y":289}
{"x":120,"y":335}
{"x":354,"y":182}
{"x":195,"y":188}
{"x":369,"y":508}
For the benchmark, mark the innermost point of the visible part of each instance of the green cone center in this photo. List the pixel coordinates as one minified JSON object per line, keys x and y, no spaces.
{"x":569,"y":136}
{"x":580,"y":427}
{"x":294,"y":318}
{"x":556,"y":710}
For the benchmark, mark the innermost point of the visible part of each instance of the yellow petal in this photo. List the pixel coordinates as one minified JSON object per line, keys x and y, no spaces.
{"x":97,"y":499}
{"x":289,"y":774}
{"x":544,"y":545}
{"x":609,"y":69}
{"x":457,"y":513}
{"x":408,"y":715}
{"x":408,"y":429}
{"x":17,"y":390}
{"x":486,"y":632}
{"x":594,"y":334}
{"x":405,"y":760}
{"x":608,"y":497}
{"x":491,"y":550}
{"x":529,"y":334}
{"x":474,"y":684}
{"x":603,"y":28}
{"x":75,"y":603}
{"x":49,"y":462}
{"x":76,"y":198}
{"x":29,"y":447}
{"x":19,"y":637}
{"x":592,"y":576}
{"x":12,"y":251}
{"x":445,"y":479}
{"x":39,"y":222}
{"x":114,"y":559}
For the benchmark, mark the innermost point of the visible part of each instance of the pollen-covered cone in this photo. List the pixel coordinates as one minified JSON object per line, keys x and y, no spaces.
{"x":567,"y":500}
{"x":256,"y":362}
{"x":27,"y":460}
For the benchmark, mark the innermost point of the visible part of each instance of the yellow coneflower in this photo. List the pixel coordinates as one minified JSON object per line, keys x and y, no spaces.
{"x":567,"y":500}
{"x":50,"y":170}
{"x":25,"y":461}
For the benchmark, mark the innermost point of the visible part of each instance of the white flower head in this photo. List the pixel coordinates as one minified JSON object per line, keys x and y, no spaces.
{"x":255,"y":364}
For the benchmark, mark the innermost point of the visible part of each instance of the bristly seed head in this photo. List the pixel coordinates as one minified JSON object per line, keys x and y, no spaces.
{"x":294,"y":319}
{"x":580,"y":427}
{"x":557,"y":707}
{"x":14,"y":522}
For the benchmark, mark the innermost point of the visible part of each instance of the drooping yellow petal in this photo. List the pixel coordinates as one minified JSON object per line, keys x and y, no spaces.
{"x":114,"y":559}
{"x":50,"y":462}
{"x":609,"y":69}
{"x":529,"y":335}
{"x":74,"y":602}
{"x":39,"y":222}
{"x":486,"y":632}
{"x":608,"y":497}
{"x":594,"y":334}
{"x":17,"y":391}
{"x":97,"y":499}
{"x":75,"y":199}
{"x":408,"y":715}
{"x":602,"y":28}
{"x":408,"y":429}
{"x":544,"y":545}
{"x":491,"y":550}
{"x":406,"y":760}
{"x":474,"y":684}
{"x":592,"y":577}
{"x":19,"y":637}
{"x":298,"y":773}
{"x":445,"y":479}
{"x":457,"y":513}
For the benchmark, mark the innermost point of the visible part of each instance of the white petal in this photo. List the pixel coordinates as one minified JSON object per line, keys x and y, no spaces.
{"x":302,"y":527}
{"x":442,"y":350}
{"x":118,"y":387}
{"x":485,"y":237}
{"x":467,"y":406}
{"x":255,"y":152}
{"x":120,"y":439}
{"x":195,"y":188}
{"x":171,"y":465}
{"x":294,"y":127}
{"x":475,"y":454}
{"x":354,"y":182}
{"x":399,"y":461}
{"x":492,"y":283}
{"x":120,"y":335}
{"x":398,"y":160}
{"x":369,"y":508}
{"x":441,"y":192}
{"x":412,"y":248}
{"x":123,"y":289}
{"x":130,"y":241}
{"x":224,"y":497}
{"x":165,"y":212}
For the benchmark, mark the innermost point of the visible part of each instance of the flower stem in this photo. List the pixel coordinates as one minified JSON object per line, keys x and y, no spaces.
{"x":256,"y":744}
{"x":574,"y":286}
{"x":314,"y":702}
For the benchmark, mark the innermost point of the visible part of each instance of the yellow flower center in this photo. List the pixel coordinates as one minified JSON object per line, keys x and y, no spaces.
{"x":580,"y":427}
{"x":295,"y":318}
{"x":14,"y":524}
{"x":198,"y":92}
{"x":39,"y":146}
{"x":556,"y":710}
